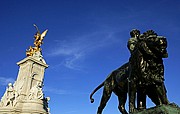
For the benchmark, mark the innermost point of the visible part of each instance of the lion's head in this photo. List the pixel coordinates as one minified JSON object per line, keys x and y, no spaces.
{"x":158,"y":45}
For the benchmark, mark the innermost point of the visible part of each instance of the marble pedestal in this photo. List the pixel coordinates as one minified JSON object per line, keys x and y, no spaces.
{"x":25,"y":96}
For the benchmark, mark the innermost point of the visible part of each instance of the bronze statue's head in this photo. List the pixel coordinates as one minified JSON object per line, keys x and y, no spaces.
{"x":135,"y":33}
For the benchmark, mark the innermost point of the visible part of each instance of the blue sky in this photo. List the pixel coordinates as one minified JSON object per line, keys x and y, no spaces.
{"x":85,"y":42}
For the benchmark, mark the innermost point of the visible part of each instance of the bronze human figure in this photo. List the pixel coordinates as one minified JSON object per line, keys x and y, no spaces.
{"x":147,"y":71}
{"x":143,"y":74}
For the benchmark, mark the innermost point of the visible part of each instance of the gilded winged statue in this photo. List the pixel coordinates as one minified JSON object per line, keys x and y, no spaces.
{"x":37,"y":42}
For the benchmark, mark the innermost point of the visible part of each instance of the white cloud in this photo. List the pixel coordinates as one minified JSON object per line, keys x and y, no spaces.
{"x":75,"y":49}
{"x":70,"y":62}
{"x":4,"y":81}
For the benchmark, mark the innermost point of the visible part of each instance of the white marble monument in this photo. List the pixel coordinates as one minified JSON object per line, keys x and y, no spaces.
{"x":25,"y":96}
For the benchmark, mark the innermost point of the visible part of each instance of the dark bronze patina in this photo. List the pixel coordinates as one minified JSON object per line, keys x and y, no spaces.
{"x":147,"y":70}
{"x":143,"y":74}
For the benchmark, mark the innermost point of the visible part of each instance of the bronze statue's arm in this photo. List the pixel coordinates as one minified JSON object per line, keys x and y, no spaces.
{"x":145,"y":49}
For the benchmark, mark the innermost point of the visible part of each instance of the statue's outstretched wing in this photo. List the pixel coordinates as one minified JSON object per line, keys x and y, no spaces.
{"x":44,"y":34}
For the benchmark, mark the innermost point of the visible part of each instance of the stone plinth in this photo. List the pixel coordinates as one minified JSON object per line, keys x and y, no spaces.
{"x":25,"y":96}
{"x":162,"y":109}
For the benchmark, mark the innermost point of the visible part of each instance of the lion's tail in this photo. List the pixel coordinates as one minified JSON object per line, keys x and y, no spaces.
{"x":97,"y":88}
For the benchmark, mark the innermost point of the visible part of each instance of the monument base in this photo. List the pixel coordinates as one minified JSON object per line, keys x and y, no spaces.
{"x":26,"y":107}
{"x":162,"y":109}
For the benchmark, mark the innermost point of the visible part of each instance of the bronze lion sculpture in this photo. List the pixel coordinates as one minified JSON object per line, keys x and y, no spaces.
{"x":143,"y":74}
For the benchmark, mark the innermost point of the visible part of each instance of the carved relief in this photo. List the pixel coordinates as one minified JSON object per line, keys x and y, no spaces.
{"x":9,"y":96}
{"x":36,"y":92}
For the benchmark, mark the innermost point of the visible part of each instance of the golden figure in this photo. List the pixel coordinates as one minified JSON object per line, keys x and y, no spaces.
{"x":37,"y":43}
